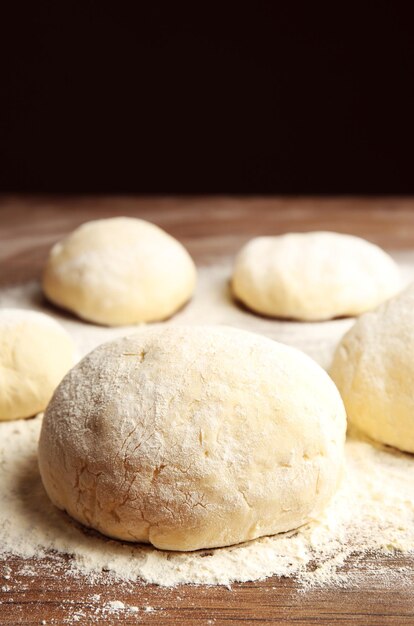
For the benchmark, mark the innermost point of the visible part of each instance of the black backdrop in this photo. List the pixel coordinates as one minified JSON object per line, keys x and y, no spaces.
{"x":258,"y":97}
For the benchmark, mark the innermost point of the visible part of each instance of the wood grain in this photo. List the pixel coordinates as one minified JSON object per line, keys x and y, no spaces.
{"x":211,"y":228}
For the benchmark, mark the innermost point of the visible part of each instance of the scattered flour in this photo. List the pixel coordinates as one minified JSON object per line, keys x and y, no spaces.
{"x":372,"y":512}
{"x":115,"y":605}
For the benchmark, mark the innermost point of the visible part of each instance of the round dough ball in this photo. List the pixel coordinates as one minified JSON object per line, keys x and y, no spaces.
{"x":313,"y":276}
{"x":119,"y":271}
{"x":193,"y":437}
{"x":373,"y":368}
{"x":35,"y":354}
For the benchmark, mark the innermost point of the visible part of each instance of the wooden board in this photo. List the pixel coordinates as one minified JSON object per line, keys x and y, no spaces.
{"x":211,"y":228}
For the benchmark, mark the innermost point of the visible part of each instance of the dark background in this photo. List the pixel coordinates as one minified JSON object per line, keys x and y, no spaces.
{"x":259,"y":97}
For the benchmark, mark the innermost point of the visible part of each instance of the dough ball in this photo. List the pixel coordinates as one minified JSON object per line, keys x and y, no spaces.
{"x":313,"y":276}
{"x":193,"y":437}
{"x":119,"y":271}
{"x":373,"y":368}
{"x":35,"y":354}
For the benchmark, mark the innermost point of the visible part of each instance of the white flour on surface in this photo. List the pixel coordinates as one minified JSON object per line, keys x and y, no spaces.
{"x":372,"y":512}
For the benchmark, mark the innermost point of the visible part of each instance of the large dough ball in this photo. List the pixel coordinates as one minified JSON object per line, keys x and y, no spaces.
{"x":373,"y":368}
{"x":119,"y":271}
{"x":313,"y":276}
{"x":35,"y":354}
{"x":193,"y":437}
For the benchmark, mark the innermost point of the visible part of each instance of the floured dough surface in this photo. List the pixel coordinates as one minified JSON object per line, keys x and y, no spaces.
{"x":313,"y":276}
{"x":35,"y":354}
{"x":119,"y":271}
{"x":193,"y":437}
{"x":373,"y":368}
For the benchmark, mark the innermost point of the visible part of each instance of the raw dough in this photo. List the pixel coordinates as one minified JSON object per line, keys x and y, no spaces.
{"x":119,"y":271}
{"x":373,"y":368}
{"x":193,"y":437}
{"x":35,"y":354}
{"x":313,"y":276}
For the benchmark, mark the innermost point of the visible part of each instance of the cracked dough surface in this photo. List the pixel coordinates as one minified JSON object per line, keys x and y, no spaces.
{"x":119,"y":271}
{"x":313,"y":276}
{"x":193,"y":437}
{"x":35,"y":354}
{"x":373,"y":368}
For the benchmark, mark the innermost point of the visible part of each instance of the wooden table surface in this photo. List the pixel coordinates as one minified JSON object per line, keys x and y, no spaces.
{"x":210,"y":228}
